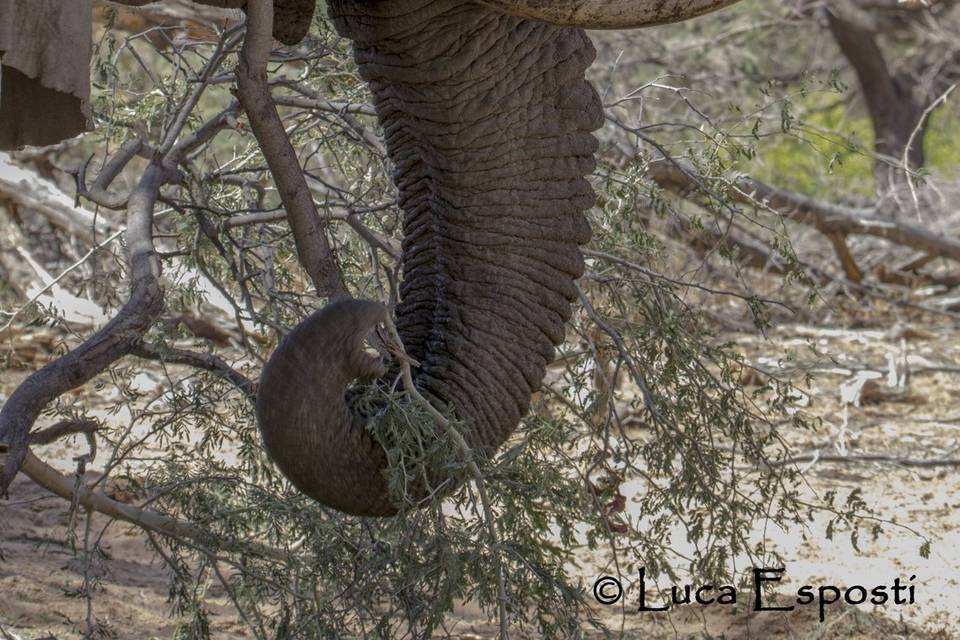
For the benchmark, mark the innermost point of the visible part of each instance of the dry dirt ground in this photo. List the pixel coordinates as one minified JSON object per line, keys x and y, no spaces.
{"x":910,"y":421}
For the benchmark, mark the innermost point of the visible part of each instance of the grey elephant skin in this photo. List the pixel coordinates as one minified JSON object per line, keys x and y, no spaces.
{"x":488,"y":120}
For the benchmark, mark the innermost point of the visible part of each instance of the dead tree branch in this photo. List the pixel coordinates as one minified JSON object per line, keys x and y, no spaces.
{"x":31,"y":192}
{"x":828,"y":218}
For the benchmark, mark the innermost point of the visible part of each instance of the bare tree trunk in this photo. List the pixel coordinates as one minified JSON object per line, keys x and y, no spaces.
{"x":895,"y":107}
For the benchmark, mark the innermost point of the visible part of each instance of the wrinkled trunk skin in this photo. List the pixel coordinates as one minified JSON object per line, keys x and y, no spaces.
{"x":487,"y":120}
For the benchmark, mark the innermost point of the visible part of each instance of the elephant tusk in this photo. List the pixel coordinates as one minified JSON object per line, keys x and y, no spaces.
{"x":608,"y":14}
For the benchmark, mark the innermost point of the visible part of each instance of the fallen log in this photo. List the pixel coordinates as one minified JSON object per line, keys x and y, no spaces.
{"x":31,"y":192}
{"x":830,"y":219}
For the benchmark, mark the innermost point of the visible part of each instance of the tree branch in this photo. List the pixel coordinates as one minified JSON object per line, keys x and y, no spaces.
{"x":61,"y":429}
{"x":103,"y":348}
{"x":204,"y":361}
{"x":313,"y":248}
{"x":828,"y":218}
{"x":98,"y":192}
{"x":58,"y":484}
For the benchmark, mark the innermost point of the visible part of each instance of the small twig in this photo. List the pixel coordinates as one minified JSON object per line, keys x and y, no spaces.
{"x":650,"y":273}
{"x":638,"y":379}
{"x":467,"y":453}
{"x":43,"y":290}
{"x":913,"y":134}
{"x":204,"y":361}
{"x":257,"y":630}
{"x":55,"y":482}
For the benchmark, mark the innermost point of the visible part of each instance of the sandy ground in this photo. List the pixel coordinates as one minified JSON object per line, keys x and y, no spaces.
{"x":40,"y":574}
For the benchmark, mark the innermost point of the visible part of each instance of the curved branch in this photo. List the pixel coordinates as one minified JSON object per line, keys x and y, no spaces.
{"x":55,"y":482}
{"x":98,"y":193}
{"x":103,"y":348}
{"x":205,"y":361}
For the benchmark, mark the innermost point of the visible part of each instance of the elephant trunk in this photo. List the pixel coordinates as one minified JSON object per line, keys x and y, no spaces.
{"x":487,"y":119}
{"x":308,"y":428}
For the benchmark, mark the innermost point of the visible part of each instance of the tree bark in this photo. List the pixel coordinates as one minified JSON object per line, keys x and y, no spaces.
{"x":313,"y":248}
{"x":103,"y":348}
{"x":895,"y":108}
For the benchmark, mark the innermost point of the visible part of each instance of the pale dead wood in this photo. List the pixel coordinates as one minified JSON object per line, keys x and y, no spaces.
{"x":31,"y":192}
{"x":20,"y":277}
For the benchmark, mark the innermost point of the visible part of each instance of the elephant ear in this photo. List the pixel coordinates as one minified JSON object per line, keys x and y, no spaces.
{"x":45,"y":50}
{"x":487,"y":120}
{"x":45,"y":72}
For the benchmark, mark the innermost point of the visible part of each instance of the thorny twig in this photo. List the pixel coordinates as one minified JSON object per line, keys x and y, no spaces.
{"x":411,"y":388}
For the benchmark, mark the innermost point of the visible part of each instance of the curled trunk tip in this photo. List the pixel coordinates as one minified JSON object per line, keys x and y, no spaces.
{"x":304,"y":418}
